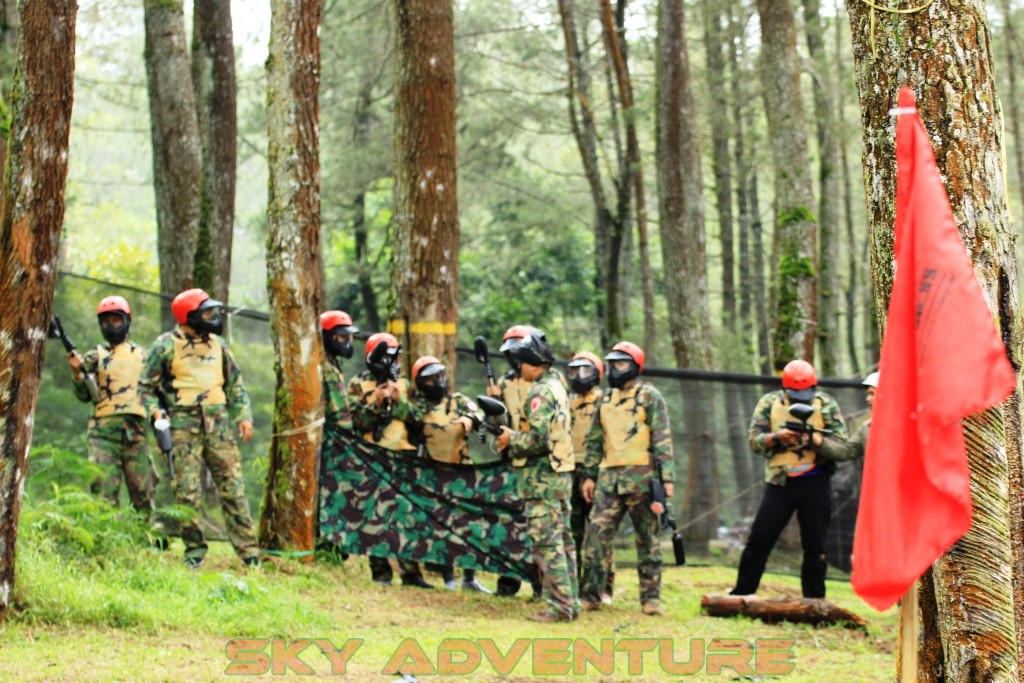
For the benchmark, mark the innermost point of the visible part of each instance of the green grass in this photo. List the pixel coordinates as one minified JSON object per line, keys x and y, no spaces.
{"x":135,"y":614}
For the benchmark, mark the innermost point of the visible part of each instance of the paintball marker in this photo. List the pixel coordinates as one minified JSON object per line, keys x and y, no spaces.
{"x":484,"y":356}
{"x":162,"y":431}
{"x":661,"y":507}
{"x":57,"y":332}
{"x":491,"y":407}
{"x":383,"y":372}
{"x":803,"y":412}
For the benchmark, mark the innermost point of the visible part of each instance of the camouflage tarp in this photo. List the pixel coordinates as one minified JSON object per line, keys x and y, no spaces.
{"x":395,"y":504}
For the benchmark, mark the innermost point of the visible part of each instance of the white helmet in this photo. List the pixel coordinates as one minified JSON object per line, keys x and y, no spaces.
{"x":871,"y":380}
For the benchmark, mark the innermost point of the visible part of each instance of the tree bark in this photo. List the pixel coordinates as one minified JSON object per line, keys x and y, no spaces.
{"x":829,"y":246}
{"x":425,"y":271}
{"x":943,"y":52}
{"x":213,"y":79}
{"x":795,"y":326}
{"x":1012,"y":60}
{"x":9,"y":29}
{"x":175,"y":134}
{"x":30,"y":227}
{"x":293,"y":273}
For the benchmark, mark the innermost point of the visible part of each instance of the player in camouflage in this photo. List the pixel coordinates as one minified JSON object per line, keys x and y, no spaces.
{"x":190,"y":376}
{"x":628,"y":440}
{"x":585,"y":373}
{"x":797,"y":470}
{"x":445,"y":420}
{"x":336,"y":330}
{"x":542,"y":457}
{"x":117,"y":429}
{"x":383,"y":413}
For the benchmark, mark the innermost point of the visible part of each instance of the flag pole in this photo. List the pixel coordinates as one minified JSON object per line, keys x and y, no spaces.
{"x":908,"y":636}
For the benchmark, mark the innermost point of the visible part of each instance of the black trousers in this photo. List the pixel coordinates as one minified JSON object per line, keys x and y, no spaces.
{"x":811,"y":498}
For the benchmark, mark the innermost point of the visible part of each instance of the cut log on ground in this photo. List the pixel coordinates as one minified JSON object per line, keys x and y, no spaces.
{"x":805,"y":611}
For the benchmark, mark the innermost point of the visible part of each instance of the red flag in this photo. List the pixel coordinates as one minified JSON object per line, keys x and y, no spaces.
{"x":942,"y":360}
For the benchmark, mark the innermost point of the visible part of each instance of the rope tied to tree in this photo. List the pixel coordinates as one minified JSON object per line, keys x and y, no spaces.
{"x":299,"y":430}
{"x":890,"y":10}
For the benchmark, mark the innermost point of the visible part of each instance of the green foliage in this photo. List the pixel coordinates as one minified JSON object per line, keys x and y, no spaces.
{"x":793,"y":269}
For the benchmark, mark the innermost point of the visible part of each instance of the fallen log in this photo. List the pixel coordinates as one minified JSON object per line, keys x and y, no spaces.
{"x":802,"y":611}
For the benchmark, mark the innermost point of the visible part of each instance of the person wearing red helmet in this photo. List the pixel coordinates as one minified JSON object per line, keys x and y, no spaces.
{"x":384,"y":414}
{"x":797,"y":470}
{"x":117,"y":429}
{"x":630,"y":441}
{"x":585,"y":372}
{"x":336,"y":331}
{"x":190,"y":377}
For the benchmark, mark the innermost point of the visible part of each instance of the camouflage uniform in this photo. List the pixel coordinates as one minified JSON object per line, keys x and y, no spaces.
{"x":797,"y":480}
{"x":202,"y":389}
{"x":395,"y":436}
{"x":337,"y":416}
{"x":583,"y":408}
{"x":117,"y":428}
{"x":443,"y":437}
{"x":629,"y":435}
{"x":542,"y":458}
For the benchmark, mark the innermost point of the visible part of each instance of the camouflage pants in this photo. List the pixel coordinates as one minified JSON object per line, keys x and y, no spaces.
{"x":580,"y":521}
{"x":554,"y":553}
{"x":615,"y":497}
{"x":119,"y":444}
{"x":209,"y":436}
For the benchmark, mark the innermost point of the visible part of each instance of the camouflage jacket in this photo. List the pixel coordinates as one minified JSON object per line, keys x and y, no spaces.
{"x":545,"y":414}
{"x":436,"y":424}
{"x":365,"y":410}
{"x":584,"y":406}
{"x":834,"y":447}
{"x":336,"y":401}
{"x":657,"y":421}
{"x":119,"y":399}
{"x":157,"y":375}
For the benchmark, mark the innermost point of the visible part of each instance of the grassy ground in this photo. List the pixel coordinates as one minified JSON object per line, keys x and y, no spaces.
{"x":143,"y":617}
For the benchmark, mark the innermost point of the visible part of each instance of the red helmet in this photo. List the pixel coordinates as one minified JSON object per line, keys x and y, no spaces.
{"x":186,"y":302}
{"x":592,"y":359}
{"x":379,"y":337}
{"x":424,"y":363}
{"x":799,"y":375}
{"x":512,"y":335}
{"x":113,"y":304}
{"x":625,"y":350}
{"x":331,"y":319}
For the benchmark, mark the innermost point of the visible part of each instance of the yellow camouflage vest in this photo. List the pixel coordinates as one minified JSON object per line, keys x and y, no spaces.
{"x":583,"y":409}
{"x":627,"y":436}
{"x":513,"y":394}
{"x":396,"y":434}
{"x":445,"y":438}
{"x":198,"y":371}
{"x":117,"y":373}
{"x":794,"y":462}
{"x":559,"y":434}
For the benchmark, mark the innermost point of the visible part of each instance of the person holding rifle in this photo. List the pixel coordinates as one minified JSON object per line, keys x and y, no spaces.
{"x":383,"y":412}
{"x":108,"y":377}
{"x":800,"y":457}
{"x":628,"y":440}
{"x":191,"y":378}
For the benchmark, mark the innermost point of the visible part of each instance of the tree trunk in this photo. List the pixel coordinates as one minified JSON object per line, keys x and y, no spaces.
{"x":1012,"y":59}
{"x":363,"y":269}
{"x":9,"y":29}
{"x":30,"y":226}
{"x":794,"y":328}
{"x":828,"y":192}
{"x":213,"y":79}
{"x":943,"y":52}
{"x":680,"y":190}
{"x":175,"y":133}
{"x":425,"y":272}
{"x":293,"y":272}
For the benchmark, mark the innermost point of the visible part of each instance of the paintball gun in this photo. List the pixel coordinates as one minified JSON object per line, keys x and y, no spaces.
{"x":383,"y":371}
{"x":484,"y":356}
{"x":57,"y":332}
{"x":661,"y":507}
{"x":491,"y":407}
{"x":802,"y":412}
{"x":162,"y":431}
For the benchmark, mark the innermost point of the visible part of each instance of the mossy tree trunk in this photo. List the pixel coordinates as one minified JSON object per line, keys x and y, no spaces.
{"x":425,"y":271}
{"x":175,"y":134}
{"x":943,"y":53}
{"x":30,"y":227}
{"x":9,"y":21}
{"x":213,"y":80}
{"x":794,"y":329}
{"x":293,"y":273}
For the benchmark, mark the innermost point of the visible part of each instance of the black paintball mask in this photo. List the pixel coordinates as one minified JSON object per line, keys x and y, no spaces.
{"x":583,"y":376}
{"x":432,"y":382}
{"x":114,"y":326}
{"x":338,"y":340}
{"x":208,"y":318}
{"x":506,"y":350}
{"x":617,"y":376}
{"x":383,"y":363}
